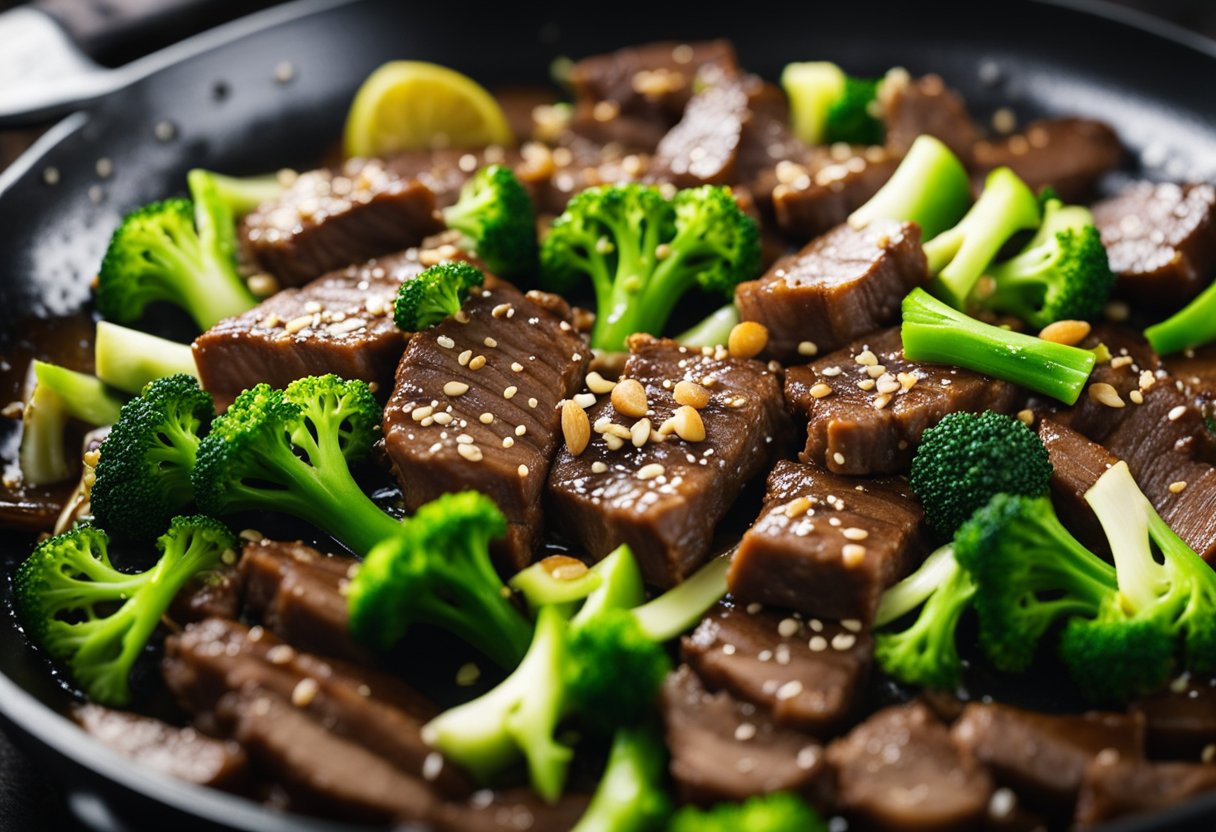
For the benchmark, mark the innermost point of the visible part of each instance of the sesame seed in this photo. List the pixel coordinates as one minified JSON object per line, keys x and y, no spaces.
{"x":1178,"y":487}
{"x":464,"y":357}
{"x":432,"y":766}
{"x":445,"y":342}
{"x":820,"y":390}
{"x":508,"y":441}
{"x":442,"y":418}
{"x":477,"y":362}
{"x":797,"y":507}
{"x":532,"y":402}
{"x":1176,"y":413}
{"x":1136,"y":396}
{"x":651,"y":471}
{"x":455,"y":388}
{"x":853,"y":554}
{"x":516,"y":367}
{"x":1147,"y":380}
{"x":853,"y":625}
{"x":500,"y":310}
{"x":490,"y":342}
{"x":464,"y":439}
{"x":305,"y":692}
{"x":866,"y":358}
{"x":1105,"y":394}
{"x":598,"y":467}
{"x":598,"y":384}
{"x":879,"y":402}
{"x":1120,"y":362}
{"x":744,"y":731}
{"x":866,"y":384}
{"x":585,"y":400}
{"x":843,"y":641}
{"x":520,"y":430}
{"x":854,"y":533}
{"x":420,"y":413}
{"x":522,"y":470}
{"x":876,"y":371}
{"x":1026,"y":417}
{"x":614,"y":443}
{"x":788,"y":627}
{"x":639,"y":434}
{"x":297,"y":324}
{"x":830,"y":372}
{"x":808,"y":348}
{"x":470,"y":452}
{"x":789,"y":690}
{"x":838,"y":458}
{"x":280,"y":654}
{"x":486,"y":418}
{"x":510,"y":392}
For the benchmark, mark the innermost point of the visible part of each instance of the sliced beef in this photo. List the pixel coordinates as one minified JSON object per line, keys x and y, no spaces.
{"x":913,"y":107}
{"x":341,"y":323}
{"x":855,"y":427}
{"x":723,"y":749}
{"x":328,"y":219}
{"x":812,"y":198}
{"x":1180,"y":720}
{"x":183,"y":753}
{"x":297,"y":593}
{"x":475,"y":407}
{"x":211,"y":594}
{"x":839,"y":287}
{"x":827,"y":545}
{"x":807,"y":674}
{"x":1068,"y":154}
{"x":1161,"y":240}
{"x":1116,"y":788}
{"x":664,"y":498}
{"x":1043,"y":757}
{"x":512,"y":810}
{"x":554,"y":175}
{"x":899,"y":770}
{"x":1076,"y":464}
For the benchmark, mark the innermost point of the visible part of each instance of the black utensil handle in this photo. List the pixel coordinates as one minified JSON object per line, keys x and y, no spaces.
{"x":114,"y":32}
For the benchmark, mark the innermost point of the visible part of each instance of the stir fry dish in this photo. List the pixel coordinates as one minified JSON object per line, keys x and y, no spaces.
{"x":703,"y":454}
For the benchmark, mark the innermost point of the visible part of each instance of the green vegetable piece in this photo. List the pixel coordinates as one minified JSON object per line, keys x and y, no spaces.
{"x":930,"y":188}
{"x":495,"y":216}
{"x":128,"y":359}
{"x":435,"y":294}
{"x":1192,"y":326}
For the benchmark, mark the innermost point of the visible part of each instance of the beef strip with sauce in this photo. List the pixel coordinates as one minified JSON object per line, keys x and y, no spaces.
{"x":812,"y":197}
{"x":913,"y":107}
{"x":1067,"y":154}
{"x":1114,"y":788}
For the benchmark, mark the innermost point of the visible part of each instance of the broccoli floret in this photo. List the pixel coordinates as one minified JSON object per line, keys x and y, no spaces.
{"x":1030,"y":573}
{"x":930,"y":188}
{"x":966,"y":458}
{"x":775,"y":812}
{"x":926,"y":652}
{"x":557,"y":579}
{"x":959,"y":256}
{"x":495,"y":216}
{"x":630,"y":795}
{"x":53,"y":394}
{"x":158,"y":254}
{"x":1192,"y":326}
{"x":84,"y":612}
{"x":827,"y":105}
{"x":642,"y":252}
{"x":435,"y":294}
{"x":288,"y":451}
{"x":851,"y":117}
{"x":128,"y":359}
{"x":933,"y":331}
{"x":517,"y":718}
{"x":713,"y":329}
{"x":1062,"y":273}
{"x":142,"y":477}
{"x":437,"y":570}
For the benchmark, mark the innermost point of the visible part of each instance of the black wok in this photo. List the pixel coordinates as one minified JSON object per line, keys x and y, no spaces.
{"x":225,"y":109}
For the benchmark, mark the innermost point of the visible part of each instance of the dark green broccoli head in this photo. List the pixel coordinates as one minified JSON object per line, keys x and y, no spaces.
{"x":330,"y":405}
{"x":435,"y":294}
{"x":1113,"y":658}
{"x":495,"y":215}
{"x":926,"y":653}
{"x":851,"y":118}
{"x":715,"y":239}
{"x":966,"y":458}
{"x":615,"y":670}
{"x":775,"y":812}
{"x":144,"y":466}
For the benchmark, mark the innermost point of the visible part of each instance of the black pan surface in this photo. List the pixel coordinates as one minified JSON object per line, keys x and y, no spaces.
{"x":229,"y":108}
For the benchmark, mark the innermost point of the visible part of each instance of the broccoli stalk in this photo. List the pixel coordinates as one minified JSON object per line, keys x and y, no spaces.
{"x":557,"y":579}
{"x":642,"y":253}
{"x":958,"y":256}
{"x":1192,"y":326}
{"x":437,"y":570}
{"x":142,"y":476}
{"x":495,"y":217}
{"x":630,"y":795}
{"x":128,"y":359}
{"x":933,"y":331}
{"x":1062,"y":273}
{"x":930,"y":188}
{"x":435,"y":294}
{"x":827,"y":105}
{"x":84,"y":612}
{"x":53,"y":395}
{"x":712,"y":330}
{"x":288,"y":451}
{"x":240,"y":195}
{"x":518,"y":717}
{"x":774,"y":812}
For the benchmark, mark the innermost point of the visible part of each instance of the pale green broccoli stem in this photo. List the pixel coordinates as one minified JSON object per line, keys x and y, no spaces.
{"x":680,"y":608}
{"x":629,"y":797}
{"x":638,"y":291}
{"x":1192,"y":326}
{"x":930,"y":188}
{"x":128,"y":359}
{"x":812,"y":88}
{"x":905,"y":596}
{"x":1125,"y":514}
{"x":239,"y":194}
{"x":621,"y":587}
{"x":713,"y":330}
{"x":555,"y":580}
{"x":54,"y":395}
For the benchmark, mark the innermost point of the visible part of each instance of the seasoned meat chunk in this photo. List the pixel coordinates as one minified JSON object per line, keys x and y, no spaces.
{"x":827,"y":545}
{"x":211,"y":594}
{"x":183,"y":753}
{"x":839,"y":287}
{"x":1116,"y":788}
{"x":867,"y":405}
{"x":1180,"y":720}
{"x":341,"y":323}
{"x":1043,"y":757}
{"x":511,"y":810}
{"x":812,"y":198}
{"x":723,"y":749}
{"x":664,"y":496}
{"x":899,"y":770}
{"x":807,"y":674}
{"x":1076,"y":464}
{"x":1068,"y":154}
{"x":328,"y":219}
{"x":475,"y":407}
{"x":1161,"y":240}
{"x":913,"y":107}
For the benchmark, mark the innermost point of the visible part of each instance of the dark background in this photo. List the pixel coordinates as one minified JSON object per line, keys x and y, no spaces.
{"x":26,"y":804}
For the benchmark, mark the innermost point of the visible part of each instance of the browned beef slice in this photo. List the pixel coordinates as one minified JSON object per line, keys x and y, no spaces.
{"x":181,"y":752}
{"x":329,"y":219}
{"x":210,"y":594}
{"x":517,"y":361}
{"x":912,"y":107}
{"x":807,"y":674}
{"x":847,"y":431}
{"x":827,"y":545}
{"x":665,"y":498}
{"x":1180,"y":720}
{"x":210,"y":663}
{"x":899,"y":770}
{"x":576,"y":163}
{"x":1042,"y":757}
{"x":812,"y":198}
{"x":341,"y":323}
{"x":1115,"y":788}
{"x":1161,"y":240}
{"x":1076,"y":464}
{"x":1068,"y":154}
{"x":511,"y":811}
{"x":724,"y":749}
{"x":296,"y":592}
{"x":839,"y":287}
